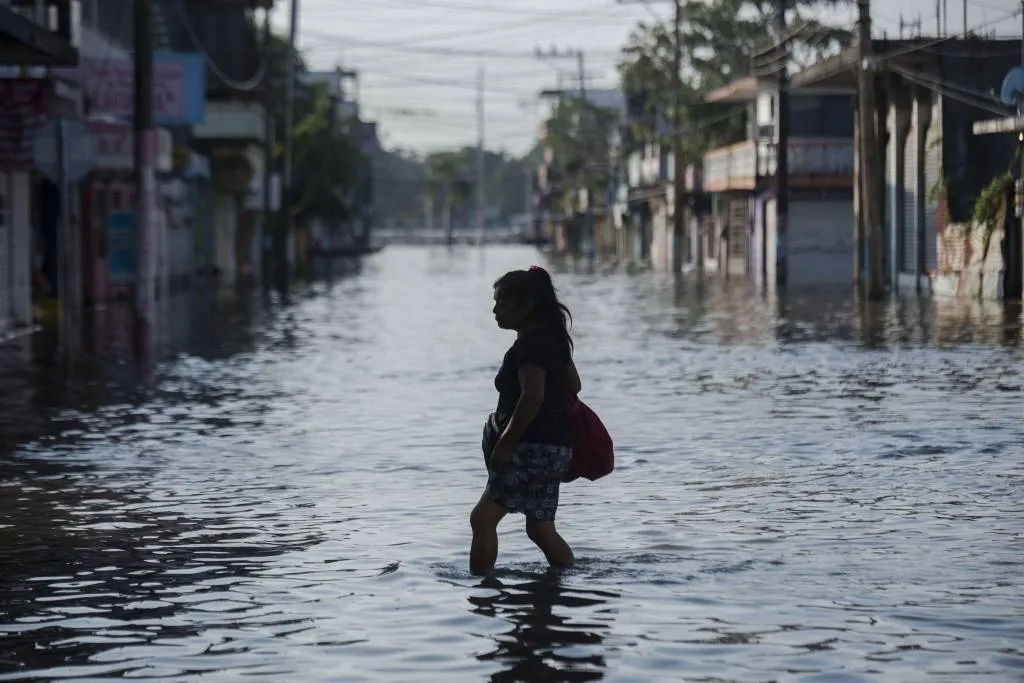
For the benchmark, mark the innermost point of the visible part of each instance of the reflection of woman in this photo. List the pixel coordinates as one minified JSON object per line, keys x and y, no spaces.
{"x":526,"y":441}
{"x":530,"y":651}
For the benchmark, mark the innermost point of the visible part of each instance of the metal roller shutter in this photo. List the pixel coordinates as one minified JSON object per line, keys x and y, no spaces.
{"x":821,"y":241}
{"x":932,"y":174}
{"x":908,"y":257}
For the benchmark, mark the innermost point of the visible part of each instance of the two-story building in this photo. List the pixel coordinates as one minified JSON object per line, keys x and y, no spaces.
{"x":32,"y":34}
{"x":929,"y":96}
{"x":574,"y":197}
{"x":741,"y":180}
{"x":644,"y":204}
{"x":235,"y":126}
{"x":105,"y":79}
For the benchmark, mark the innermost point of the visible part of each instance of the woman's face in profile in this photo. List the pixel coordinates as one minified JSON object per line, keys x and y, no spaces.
{"x":509,"y":312}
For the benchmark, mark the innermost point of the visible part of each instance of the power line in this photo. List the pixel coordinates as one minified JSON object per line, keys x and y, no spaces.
{"x":445,"y":83}
{"x":248,"y":85}
{"x":463,"y":7}
{"x":412,"y":47}
{"x":495,"y":28}
{"x":931,"y":43}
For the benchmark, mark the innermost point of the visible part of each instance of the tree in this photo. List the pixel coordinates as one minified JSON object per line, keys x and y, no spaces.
{"x":579,"y":135}
{"x":324,"y":161}
{"x":717,"y":39}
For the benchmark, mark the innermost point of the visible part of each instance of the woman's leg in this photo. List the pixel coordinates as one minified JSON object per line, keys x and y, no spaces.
{"x":484,"y":519}
{"x":554,"y":547}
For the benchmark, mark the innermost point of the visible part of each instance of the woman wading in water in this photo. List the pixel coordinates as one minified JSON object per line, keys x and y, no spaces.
{"x":526,"y":440}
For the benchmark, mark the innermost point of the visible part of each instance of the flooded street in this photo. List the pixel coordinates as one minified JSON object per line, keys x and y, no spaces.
{"x":832,"y":494}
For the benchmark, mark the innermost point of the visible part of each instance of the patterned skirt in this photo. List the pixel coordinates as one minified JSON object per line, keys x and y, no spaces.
{"x":530,"y":483}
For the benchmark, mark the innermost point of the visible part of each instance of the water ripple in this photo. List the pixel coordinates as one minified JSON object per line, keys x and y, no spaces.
{"x":807,"y":489}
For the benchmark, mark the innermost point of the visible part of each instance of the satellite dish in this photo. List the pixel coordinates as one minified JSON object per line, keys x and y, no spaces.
{"x":1012,"y":93}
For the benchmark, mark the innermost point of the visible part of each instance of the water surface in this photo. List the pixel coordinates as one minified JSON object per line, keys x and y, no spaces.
{"x":806,"y":490}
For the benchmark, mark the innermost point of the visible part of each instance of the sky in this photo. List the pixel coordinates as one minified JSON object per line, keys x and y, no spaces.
{"x":419,"y":60}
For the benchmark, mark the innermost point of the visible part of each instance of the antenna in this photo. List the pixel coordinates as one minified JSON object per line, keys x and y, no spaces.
{"x":907,"y":24}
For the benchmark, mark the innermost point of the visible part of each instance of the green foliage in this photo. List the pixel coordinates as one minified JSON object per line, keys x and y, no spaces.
{"x":324,"y":161}
{"x":717,"y":39}
{"x":452,"y":173}
{"x":991,"y":202}
{"x":579,"y":135}
{"x":937,"y":192}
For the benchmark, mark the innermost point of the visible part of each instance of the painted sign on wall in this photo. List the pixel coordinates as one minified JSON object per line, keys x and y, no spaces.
{"x":22,"y":111}
{"x":115,"y":147}
{"x":179,"y":87}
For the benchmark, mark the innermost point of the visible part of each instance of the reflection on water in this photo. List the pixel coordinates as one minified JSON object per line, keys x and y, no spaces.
{"x":808,"y":487}
{"x":557,"y":631}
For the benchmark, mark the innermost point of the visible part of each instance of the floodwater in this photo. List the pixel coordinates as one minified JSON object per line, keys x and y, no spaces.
{"x":806,"y":490}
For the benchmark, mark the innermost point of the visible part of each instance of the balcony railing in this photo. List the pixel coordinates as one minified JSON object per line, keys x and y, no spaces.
{"x":812,"y":162}
{"x":731,"y":168}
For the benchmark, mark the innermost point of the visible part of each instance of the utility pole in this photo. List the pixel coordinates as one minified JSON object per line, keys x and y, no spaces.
{"x":679,"y":180}
{"x":285,"y":218}
{"x":145,"y":174}
{"x":782,"y":156}
{"x":869,"y":171}
{"x":528,"y":199}
{"x":580,"y":65}
{"x":586,"y":133}
{"x":269,"y":127}
{"x":908,"y":25}
{"x":480,"y":156}
{"x":678,"y":185}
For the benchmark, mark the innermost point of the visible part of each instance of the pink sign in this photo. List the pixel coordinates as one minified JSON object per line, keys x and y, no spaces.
{"x":115,"y":147}
{"x":22,"y":111}
{"x":109,"y":85}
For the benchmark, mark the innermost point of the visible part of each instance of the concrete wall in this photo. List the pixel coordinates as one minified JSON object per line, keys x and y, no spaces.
{"x":971,"y":263}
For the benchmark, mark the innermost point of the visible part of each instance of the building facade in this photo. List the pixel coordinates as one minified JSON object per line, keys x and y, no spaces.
{"x":741,"y":179}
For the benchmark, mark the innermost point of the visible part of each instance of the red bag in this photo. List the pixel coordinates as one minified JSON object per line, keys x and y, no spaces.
{"x":593,"y":453}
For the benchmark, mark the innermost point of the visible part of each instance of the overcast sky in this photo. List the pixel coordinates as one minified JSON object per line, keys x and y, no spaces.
{"x":418,"y":59}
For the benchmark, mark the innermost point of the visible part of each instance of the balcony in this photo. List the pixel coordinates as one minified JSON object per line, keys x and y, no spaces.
{"x":650,"y":169}
{"x":813,"y":163}
{"x":731,"y":168}
{"x":36,"y":33}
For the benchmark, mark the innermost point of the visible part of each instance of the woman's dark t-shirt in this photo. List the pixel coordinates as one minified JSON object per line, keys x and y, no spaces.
{"x":545,"y":349}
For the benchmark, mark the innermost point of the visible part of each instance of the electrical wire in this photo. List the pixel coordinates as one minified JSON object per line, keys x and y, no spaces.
{"x":248,"y":85}
{"x":416,"y":45}
{"x":918,"y":79}
{"x":889,"y":56}
{"x":462,"y":8}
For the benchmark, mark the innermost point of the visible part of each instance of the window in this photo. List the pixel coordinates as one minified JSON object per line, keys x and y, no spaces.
{"x":821,"y":116}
